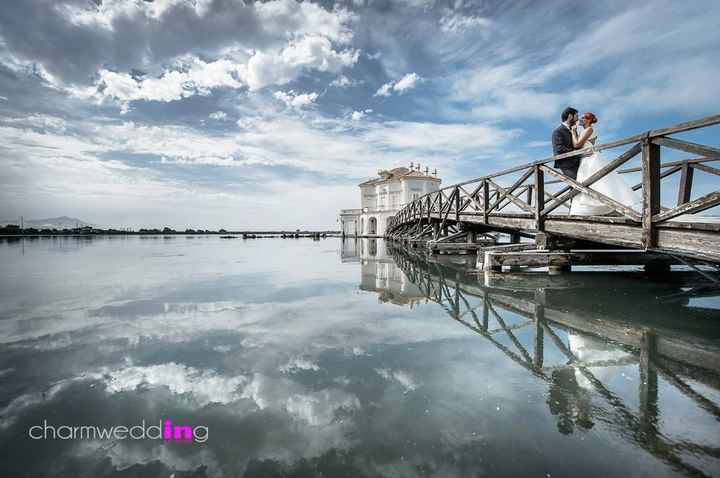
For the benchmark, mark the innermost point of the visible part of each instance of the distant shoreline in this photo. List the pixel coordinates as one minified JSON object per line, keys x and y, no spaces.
{"x":257,"y":234}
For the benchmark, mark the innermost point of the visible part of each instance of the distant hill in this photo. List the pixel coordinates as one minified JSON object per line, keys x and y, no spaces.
{"x":61,"y":222}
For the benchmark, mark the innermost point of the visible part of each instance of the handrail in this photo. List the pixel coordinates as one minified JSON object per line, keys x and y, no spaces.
{"x":648,"y":135}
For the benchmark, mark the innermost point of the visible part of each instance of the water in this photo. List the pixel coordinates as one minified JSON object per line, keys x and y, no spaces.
{"x":301,"y":358}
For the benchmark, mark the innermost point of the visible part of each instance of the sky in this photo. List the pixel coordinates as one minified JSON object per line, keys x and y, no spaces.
{"x":251,"y":115}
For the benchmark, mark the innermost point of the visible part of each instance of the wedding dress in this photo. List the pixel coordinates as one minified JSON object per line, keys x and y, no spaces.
{"x":612,"y":185}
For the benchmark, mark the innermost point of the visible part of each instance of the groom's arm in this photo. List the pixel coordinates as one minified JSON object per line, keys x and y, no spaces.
{"x":559,"y":144}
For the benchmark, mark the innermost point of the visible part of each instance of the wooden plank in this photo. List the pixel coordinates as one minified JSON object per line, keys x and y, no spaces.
{"x":505,"y":192}
{"x":700,"y":204}
{"x":457,"y":203}
{"x":601,"y":173}
{"x":672,"y":164}
{"x":486,"y":201}
{"x":650,"y":162}
{"x":516,"y":201}
{"x":616,"y":206}
{"x":686,"y":179}
{"x":686,"y":146}
{"x":539,"y":198}
{"x":707,"y":169}
{"x":663,"y":175}
{"x":471,"y":198}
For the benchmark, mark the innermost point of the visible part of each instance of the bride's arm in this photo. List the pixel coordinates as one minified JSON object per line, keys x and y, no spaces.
{"x":580,"y":142}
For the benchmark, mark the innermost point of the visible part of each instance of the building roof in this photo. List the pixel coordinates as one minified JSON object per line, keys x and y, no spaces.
{"x":399,"y":174}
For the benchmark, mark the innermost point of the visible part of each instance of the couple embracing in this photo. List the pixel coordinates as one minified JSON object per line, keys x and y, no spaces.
{"x":566,"y":139}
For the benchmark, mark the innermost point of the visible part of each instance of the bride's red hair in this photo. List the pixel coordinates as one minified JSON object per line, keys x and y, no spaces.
{"x":589,"y":118}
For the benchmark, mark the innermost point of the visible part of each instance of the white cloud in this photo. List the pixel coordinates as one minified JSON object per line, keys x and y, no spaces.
{"x":38,"y":121}
{"x":343,"y":81}
{"x":203,"y":387}
{"x":407,"y":82}
{"x":298,"y":363}
{"x":454,"y":22}
{"x":281,"y":67}
{"x":357,"y":115}
{"x":196,"y":77}
{"x":401,"y":377}
{"x":218,"y":115}
{"x":295,"y":100}
{"x":384,"y":90}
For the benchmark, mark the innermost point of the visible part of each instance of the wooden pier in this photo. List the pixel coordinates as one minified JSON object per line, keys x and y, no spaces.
{"x":530,"y":204}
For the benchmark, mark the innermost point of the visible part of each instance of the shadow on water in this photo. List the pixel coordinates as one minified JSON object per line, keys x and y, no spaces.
{"x":660,"y":325}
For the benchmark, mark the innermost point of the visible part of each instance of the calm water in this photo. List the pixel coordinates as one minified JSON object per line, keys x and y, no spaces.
{"x":326,"y":358}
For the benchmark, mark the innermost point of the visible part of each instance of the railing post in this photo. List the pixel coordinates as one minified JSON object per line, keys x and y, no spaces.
{"x":686,"y":180}
{"x":651,"y":190}
{"x":486,"y":200}
{"x":539,"y":198}
{"x":457,"y":204}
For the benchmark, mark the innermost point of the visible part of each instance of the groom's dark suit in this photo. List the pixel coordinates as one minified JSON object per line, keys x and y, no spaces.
{"x":562,"y":143}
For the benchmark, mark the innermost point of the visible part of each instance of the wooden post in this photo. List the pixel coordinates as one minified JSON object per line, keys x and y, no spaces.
{"x":457,"y":204}
{"x":539,"y":198}
{"x":651,"y":190}
{"x":486,"y":313}
{"x":529,"y":195}
{"x":486,"y":200}
{"x":686,"y":179}
{"x":471,"y":236}
{"x":539,"y":337}
{"x":648,"y":384}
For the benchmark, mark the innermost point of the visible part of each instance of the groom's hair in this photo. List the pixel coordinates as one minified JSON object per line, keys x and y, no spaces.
{"x":567,"y":112}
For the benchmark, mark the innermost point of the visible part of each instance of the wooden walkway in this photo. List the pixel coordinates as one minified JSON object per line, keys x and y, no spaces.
{"x":532,"y":201}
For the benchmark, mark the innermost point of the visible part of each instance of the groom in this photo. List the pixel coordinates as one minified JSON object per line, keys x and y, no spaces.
{"x":562,"y":142}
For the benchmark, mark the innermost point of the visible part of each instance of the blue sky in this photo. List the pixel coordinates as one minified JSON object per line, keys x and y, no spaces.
{"x":220,"y":113}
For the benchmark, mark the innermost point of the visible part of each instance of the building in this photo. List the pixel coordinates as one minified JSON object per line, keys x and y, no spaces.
{"x":383,"y":196}
{"x":379,"y":273}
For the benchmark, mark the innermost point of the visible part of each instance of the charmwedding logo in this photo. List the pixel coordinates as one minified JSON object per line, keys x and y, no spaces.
{"x":165,"y":430}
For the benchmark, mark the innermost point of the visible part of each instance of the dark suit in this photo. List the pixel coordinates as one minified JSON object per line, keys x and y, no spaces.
{"x":562,"y":143}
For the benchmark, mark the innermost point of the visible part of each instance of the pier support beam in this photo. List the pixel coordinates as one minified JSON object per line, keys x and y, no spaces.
{"x":648,"y":384}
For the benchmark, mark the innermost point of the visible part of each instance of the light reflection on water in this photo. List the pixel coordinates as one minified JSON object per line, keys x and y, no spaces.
{"x":349,"y":358}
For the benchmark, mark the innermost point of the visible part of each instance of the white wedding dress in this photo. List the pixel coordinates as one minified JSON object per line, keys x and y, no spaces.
{"x":612,"y":185}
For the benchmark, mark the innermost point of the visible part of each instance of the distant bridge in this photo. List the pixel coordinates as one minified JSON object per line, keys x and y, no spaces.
{"x":526,"y":201}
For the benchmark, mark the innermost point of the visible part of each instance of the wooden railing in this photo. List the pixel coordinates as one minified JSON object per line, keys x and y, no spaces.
{"x":484,"y":197}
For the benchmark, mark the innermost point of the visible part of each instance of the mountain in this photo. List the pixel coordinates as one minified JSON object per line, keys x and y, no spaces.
{"x":61,"y":222}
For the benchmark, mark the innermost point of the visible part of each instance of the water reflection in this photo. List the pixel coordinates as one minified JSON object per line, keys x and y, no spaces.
{"x":377,"y":364}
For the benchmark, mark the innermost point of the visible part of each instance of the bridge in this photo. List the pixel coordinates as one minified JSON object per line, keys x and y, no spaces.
{"x":532,"y":201}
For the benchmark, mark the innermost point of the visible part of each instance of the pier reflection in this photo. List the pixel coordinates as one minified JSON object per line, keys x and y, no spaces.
{"x":582,"y":334}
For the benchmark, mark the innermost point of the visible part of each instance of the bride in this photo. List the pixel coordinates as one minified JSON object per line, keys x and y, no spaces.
{"x":612,"y":185}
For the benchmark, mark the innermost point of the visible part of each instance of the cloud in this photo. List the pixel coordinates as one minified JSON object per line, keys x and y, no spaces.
{"x":401,"y":377}
{"x":196,"y":77}
{"x":343,"y":81}
{"x":281,"y":67}
{"x":296,"y":100}
{"x":402,"y":85}
{"x":297,"y":364}
{"x":203,"y":387}
{"x":218,"y":115}
{"x":453,"y":22}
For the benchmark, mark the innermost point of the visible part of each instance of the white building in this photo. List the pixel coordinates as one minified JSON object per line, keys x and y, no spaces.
{"x":385,"y":195}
